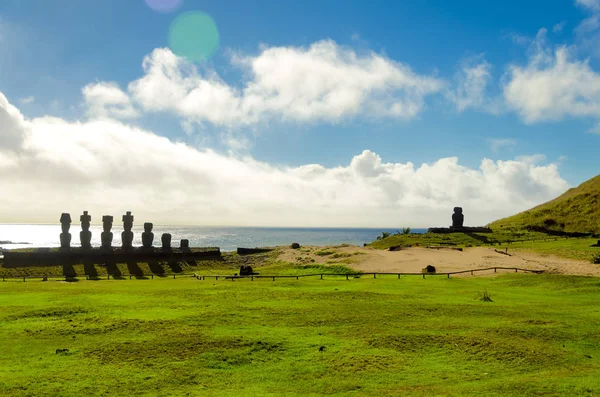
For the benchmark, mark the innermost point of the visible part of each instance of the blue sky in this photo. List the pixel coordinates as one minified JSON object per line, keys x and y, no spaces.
{"x":472,"y":72}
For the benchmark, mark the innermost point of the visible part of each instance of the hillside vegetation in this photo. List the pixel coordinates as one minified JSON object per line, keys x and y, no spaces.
{"x":577,"y":210}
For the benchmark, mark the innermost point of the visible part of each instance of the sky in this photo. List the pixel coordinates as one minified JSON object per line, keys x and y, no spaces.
{"x":300,"y":114}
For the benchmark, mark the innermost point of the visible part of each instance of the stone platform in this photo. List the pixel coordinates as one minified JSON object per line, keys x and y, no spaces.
{"x":57,"y":256}
{"x":464,"y":229}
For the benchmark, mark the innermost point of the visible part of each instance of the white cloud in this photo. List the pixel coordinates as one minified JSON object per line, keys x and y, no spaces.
{"x":27,"y":100}
{"x":107,"y":100}
{"x":497,"y":144}
{"x":12,"y":126}
{"x":553,"y":85}
{"x":108,"y":167}
{"x":559,"y":27}
{"x":324,"y":82}
{"x":593,"y":5}
{"x":471,"y":86}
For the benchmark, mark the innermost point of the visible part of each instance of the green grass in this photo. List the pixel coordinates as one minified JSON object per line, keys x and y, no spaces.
{"x":574,"y":248}
{"x":363,"y":337}
{"x":458,"y":239}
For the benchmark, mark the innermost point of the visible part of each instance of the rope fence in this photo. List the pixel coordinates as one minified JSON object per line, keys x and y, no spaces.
{"x":272,"y":277}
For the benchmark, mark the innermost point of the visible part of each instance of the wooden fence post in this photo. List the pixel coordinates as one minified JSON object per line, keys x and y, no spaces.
{"x":423,"y":276}
{"x":321,"y":277}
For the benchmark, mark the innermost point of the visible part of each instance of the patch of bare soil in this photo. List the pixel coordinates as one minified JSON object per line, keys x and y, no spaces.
{"x":413,"y":260}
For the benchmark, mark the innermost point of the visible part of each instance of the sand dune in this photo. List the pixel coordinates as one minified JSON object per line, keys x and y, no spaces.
{"x":444,"y":259}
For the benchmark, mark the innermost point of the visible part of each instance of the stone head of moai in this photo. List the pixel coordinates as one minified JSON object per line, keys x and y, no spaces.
{"x":458,"y":217}
{"x":85,"y":220}
{"x":65,"y":222}
{"x":107,"y":221}
{"x":128,"y":221}
{"x":148,"y":227}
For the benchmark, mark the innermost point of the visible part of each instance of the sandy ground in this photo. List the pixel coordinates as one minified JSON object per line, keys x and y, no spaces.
{"x":414,"y":259}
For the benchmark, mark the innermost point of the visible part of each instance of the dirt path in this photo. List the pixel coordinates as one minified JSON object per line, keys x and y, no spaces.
{"x":414,"y":259}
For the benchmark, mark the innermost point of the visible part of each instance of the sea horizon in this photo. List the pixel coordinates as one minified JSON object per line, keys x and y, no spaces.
{"x":227,"y":238}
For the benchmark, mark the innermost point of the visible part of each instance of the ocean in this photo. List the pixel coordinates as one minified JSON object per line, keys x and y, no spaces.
{"x":227,"y":238}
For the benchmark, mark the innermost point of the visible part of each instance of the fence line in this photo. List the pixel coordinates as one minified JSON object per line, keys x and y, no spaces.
{"x":273,"y":277}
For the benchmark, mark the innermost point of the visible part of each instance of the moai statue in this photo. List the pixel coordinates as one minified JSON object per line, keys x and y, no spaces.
{"x":85,"y":235}
{"x":106,"y":236}
{"x":127,"y":235}
{"x":65,"y":236}
{"x":166,"y":241}
{"x":458,"y":218}
{"x":185,"y":244}
{"x":147,"y":236}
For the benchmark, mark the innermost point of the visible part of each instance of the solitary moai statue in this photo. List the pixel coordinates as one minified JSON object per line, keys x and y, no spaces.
{"x":166,"y":241}
{"x":127,"y":235}
{"x":458,"y":218}
{"x":147,"y":236}
{"x":106,"y":236}
{"x":185,"y":243}
{"x":65,"y":236}
{"x":85,"y":235}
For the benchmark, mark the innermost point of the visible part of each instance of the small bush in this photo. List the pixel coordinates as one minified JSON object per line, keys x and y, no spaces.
{"x":596,"y":258}
{"x":323,"y":253}
{"x":485,"y":296}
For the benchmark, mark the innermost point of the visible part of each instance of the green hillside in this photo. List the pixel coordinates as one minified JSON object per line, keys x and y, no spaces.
{"x":577,"y":210}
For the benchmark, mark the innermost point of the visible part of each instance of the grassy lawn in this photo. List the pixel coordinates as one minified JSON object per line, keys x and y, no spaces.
{"x":539,"y":336}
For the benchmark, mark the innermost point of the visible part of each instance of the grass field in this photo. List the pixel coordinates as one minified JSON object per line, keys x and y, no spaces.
{"x":539,"y":336}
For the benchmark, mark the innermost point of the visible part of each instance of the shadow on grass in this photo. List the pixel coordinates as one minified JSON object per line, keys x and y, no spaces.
{"x":175,"y":266}
{"x":483,"y":239}
{"x":156,"y":268}
{"x":113,"y":269}
{"x":90,"y":269}
{"x":135,"y":270}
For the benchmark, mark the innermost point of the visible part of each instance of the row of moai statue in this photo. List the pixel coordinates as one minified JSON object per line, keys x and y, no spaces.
{"x":106,"y":236}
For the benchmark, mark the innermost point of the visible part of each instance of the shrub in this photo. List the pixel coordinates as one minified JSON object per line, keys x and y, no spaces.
{"x":596,"y":258}
{"x":406,"y":230}
{"x":485,"y":296}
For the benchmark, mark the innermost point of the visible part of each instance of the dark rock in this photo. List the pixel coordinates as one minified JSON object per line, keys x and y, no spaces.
{"x":106,"y":236}
{"x":458,"y":218}
{"x":127,"y":235}
{"x":85,"y":236}
{"x":429,"y":269}
{"x":295,"y":246}
{"x":249,"y":251}
{"x":65,"y":236}
{"x":246,"y":270}
{"x":166,"y":241}
{"x":147,"y":236}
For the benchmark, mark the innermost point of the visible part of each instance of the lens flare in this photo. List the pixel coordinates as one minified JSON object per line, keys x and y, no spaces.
{"x":164,"y":5}
{"x":194,"y":35}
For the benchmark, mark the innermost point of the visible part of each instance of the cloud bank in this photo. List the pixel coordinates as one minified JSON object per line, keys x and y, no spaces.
{"x":324,"y":82}
{"x":49,"y":165}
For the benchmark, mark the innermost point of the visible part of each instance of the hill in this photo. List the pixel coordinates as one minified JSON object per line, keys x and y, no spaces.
{"x":577,"y":210}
